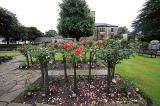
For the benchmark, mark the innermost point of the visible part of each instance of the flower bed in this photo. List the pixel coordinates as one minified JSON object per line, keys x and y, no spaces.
{"x":61,"y":92}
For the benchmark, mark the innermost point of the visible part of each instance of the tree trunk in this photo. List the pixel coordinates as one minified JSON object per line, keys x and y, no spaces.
{"x":27,"y":60}
{"x":42,"y":69}
{"x":46,"y":82}
{"x":7,"y":42}
{"x":75,"y":80}
{"x":90,"y":66}
{"x":113,"y":71}
{"x":109,"y":79}
{"x":31,"y":59}
{"x":77,"y":38}
{"x":65,"y":68}
{"x":53,"y":57}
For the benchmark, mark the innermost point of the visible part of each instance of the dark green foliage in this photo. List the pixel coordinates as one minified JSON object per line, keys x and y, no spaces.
{"x":8,"y":24}
{"x":50,"y":33}
{"x":147,"y":24}
{"x":9,"y":47}
{"x":121,"y":31}
{"x":145,"y":45}
{"x":28,"y":33}
{"x":75,"y":20}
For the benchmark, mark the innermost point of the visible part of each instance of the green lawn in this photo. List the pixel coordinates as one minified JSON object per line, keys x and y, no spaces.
{"x":9,"y":53}
{"x":58,"y":57}
{"x":145,"y":73}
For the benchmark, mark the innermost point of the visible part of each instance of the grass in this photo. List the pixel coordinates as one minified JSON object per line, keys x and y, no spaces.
{"x":145,"y":73}
{"x":57,"y":55}
{"x":9,"y":53}
{"x":24,"y":60}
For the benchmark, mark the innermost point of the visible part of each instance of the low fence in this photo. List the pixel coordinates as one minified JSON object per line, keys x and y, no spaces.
{"x":151,"y":52}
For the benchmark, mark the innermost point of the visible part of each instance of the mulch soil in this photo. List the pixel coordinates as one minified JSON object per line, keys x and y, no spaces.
{"x":95,"y":92}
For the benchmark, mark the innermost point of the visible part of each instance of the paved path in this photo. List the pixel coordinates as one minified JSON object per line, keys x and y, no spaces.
{"x":12,"y":80}
{"x":79,"y":72}
{"x":11,"y":65}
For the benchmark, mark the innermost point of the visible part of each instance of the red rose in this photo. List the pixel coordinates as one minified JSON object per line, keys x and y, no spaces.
{"x":70,"y":45}
{"x":81,"y":42}
{"x":77,"y":99}
{"x":59,"y":45}
{"x":23,"y":95}
{"x":78,"y":51}
{"x":88,"y":100}
{"x":97,"y":42}
{"x":100,"y":41}
{"x":90,"y":50}
{"x":66,"y":45}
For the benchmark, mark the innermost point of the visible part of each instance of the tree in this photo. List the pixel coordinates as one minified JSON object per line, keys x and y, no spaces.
{"x":33,"y":33}
{"x":111,"y":52}
{"x":28,"y":33}
{"x":50,"y":33}
{"x":121,"y":31}
{"x":22,"y":33}
{"x":147,"y":23}
{"x":75,"y":20}
{"x":8,"y":24}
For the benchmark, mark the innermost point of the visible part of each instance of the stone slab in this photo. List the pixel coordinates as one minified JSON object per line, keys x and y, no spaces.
{"x":3,"y":104}
{"x":79,"y":72}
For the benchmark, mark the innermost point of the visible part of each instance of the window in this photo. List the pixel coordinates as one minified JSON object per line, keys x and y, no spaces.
{"x":112,"y":30}
{"x":102,"y":29}
{"x":111,"y":36}
{"x":101,"y":37}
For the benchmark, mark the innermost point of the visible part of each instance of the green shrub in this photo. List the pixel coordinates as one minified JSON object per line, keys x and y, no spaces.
{"x":145,"y":45}
{"x":30,"y":87}
{"x":9,"y":47}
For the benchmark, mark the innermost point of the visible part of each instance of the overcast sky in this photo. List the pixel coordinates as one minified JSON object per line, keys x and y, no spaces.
{"x":43,"y":14}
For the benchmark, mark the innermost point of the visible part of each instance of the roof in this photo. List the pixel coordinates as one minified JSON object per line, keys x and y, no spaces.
{"x":104,"y":25}
{"x":43,"y":39}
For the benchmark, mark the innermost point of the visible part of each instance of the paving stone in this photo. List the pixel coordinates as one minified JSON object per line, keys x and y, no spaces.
{"x":79,"y":72}
{"x":10,"y":96}
{"x":17,"y":87}
{"x":3,"y":104}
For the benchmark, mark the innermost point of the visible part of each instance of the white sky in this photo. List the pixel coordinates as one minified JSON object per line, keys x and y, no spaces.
{"x":43,"y":14}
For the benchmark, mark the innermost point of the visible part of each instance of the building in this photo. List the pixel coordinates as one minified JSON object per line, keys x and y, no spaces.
{"x":104,"y":30}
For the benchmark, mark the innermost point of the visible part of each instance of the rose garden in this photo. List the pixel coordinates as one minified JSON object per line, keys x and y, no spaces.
{"x":81,"y":62}
{"x":78,"y":89}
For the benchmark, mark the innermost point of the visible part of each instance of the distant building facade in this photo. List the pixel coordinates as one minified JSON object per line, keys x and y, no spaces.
{"x":104,"y":30}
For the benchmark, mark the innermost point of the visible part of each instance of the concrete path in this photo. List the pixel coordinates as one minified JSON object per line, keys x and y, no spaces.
{"x":12,"y":80}
{"x":79,"y":72}
{"x":11,"y":65}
